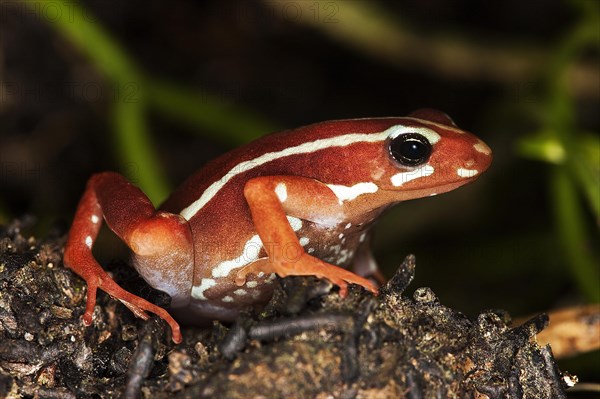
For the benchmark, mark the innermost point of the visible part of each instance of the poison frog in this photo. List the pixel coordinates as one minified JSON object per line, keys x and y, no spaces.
{"x":300,"y":202}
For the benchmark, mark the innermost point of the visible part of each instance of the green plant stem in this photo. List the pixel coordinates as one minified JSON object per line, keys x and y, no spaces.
{"x":130,"y":134}
{"x":571,"y":230}
{"x":85,"y":32}
{"x":203,"y":110}
{"x":136,"y":153}
{"x":570,"y":220}
{"x":134,"y":147}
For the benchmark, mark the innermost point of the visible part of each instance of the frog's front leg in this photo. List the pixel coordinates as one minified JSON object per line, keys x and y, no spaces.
{"x":270,"y":199}
{"x":149,"y":233}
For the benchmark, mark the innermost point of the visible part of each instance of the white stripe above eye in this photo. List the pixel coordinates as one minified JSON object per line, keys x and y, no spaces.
{"x":429,"y":134}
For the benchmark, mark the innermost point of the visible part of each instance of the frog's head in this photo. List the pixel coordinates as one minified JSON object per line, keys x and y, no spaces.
{"x":428,"y":154}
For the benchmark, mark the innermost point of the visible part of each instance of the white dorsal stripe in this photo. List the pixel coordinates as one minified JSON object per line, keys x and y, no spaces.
{"x":304,"y":148}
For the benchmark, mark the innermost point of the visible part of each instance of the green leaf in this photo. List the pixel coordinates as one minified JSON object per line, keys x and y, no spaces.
{"x":584,"y":163}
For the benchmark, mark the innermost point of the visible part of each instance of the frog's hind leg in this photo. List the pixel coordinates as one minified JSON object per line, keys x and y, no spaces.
{"x":131,"y":215}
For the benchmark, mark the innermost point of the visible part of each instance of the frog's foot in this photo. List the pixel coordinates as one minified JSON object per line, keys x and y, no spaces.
{"x":307,"y":265}
{"x":96,"y":277}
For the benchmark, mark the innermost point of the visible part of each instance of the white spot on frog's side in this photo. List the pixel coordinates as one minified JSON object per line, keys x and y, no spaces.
{"x":227,"y":299}
{"x":466,"y":172}
{"x":281,"y":191}
{"x":348,"y":226}
{"x":251,"y":284}
{"x":362,"y":237}
{"x":304,"y":241}
{"x":344,"y":256}
{"x":347,"y":193}
{"x":95,"y":219}
{"x":240,"y":292}
{"x":294,"y":222}
{"x":249,"y":254}
{"x":261,"y":274}
{"x":404,"y":177}
{"x":482,"y":147}
{"x":330,"y":220}
{"x":88,"y":241}
{"x":310,"y":250}
{"x":341,"y":236}
{"x":205,"y":283}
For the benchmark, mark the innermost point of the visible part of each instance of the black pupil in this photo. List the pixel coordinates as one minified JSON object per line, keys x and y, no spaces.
{"x":410,"y":149}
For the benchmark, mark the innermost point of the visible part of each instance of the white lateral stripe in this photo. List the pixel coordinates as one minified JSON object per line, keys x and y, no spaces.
{"x":304,"y":148}
{"x":404,"y":177}
{"x":249,"y":254}
{"x":206,"y":283}
{"x":345,"y":193}
{"x":466,"y":172}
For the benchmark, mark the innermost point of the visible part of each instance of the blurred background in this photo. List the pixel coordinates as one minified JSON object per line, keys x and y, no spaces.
{"x":155,"y":89}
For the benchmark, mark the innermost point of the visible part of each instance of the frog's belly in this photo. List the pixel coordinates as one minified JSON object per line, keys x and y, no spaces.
{"x":336,"y":244}
{"x":222,"y":299}
{"x":215,"y":295}
{"x":225,"y":293}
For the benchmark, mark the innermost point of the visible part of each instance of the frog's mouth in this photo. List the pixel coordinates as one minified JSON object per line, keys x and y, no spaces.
{"x":409,"y":194}
{"x":444,"y":188}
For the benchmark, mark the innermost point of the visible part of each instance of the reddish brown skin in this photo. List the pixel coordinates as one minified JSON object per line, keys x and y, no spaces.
{"x":175,"y":254}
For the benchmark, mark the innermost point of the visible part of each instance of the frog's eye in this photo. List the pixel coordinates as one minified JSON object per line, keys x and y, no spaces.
{"x":410,"y":149}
